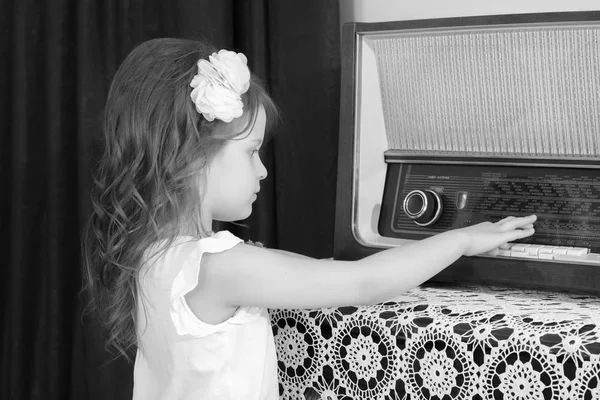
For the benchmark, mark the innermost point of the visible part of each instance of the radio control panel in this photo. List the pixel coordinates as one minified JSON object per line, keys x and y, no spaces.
{"x":425,"y":198}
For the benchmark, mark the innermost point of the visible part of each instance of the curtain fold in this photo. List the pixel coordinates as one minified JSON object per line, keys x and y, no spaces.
{"x":305,"y":73}
{"x":57,"y":59}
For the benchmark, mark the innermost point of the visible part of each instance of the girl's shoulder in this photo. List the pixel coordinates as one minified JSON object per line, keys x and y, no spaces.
{"x":161,"y":256}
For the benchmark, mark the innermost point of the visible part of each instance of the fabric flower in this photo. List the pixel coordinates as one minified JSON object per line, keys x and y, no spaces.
{"x":219,"y":85}
{"x":233,"y":67}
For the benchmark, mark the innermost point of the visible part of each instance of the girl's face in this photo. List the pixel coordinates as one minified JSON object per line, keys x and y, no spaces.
{"x":234,"y":174}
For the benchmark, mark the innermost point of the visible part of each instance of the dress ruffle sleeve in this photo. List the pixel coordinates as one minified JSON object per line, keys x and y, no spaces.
{"x":184,"y":320}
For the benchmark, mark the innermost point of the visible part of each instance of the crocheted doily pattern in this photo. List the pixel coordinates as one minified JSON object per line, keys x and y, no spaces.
{"x":444,"y":343}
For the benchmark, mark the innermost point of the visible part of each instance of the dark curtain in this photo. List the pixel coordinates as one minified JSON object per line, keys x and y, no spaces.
{"x":57,"y":60}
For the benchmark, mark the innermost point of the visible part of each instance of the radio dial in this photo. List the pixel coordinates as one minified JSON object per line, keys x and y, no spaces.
{"x":424,"y":207}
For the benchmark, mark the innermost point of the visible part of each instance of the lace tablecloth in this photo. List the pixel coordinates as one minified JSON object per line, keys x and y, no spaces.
{"x":444,"y":343}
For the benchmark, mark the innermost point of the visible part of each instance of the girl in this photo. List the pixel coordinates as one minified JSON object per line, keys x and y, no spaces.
{"x":183,"y":127}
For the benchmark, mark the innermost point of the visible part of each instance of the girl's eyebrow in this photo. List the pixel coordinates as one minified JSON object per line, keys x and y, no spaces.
{"x":256,"y":141}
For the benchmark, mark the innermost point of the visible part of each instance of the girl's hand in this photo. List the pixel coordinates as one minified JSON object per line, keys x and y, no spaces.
{"x":487,"y":237}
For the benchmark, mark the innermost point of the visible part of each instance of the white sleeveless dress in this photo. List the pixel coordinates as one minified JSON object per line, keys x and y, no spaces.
{"x":181,"y":357}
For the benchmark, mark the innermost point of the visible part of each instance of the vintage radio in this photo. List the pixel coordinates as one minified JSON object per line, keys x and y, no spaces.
{"x":450,"y":122}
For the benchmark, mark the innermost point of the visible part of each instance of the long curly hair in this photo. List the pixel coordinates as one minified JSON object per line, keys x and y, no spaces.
{"x":146,"y":186}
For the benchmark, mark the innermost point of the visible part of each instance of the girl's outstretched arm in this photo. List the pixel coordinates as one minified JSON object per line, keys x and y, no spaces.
{"x":252,"y":276}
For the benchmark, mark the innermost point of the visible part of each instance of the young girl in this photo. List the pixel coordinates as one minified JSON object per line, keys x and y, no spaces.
{"x":183,"y":127}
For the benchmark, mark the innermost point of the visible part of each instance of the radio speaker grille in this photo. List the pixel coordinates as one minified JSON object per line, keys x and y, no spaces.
{"x":510,"y":91}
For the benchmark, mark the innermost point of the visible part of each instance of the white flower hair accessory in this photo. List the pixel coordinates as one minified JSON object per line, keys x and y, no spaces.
{"x":219,"y":85}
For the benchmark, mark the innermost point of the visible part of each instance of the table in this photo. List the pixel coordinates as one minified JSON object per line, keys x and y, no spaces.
{"x":444,"y":342}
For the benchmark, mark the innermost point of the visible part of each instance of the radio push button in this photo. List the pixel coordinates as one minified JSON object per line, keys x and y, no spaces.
{"x":522,"y":254}
{"x":519,"y":247}
{"x":424,"y":207}
{"x":560,"y":250}
{"x":546,"y":252}
{"x":534,"y":249}
{"x":578,"y":251}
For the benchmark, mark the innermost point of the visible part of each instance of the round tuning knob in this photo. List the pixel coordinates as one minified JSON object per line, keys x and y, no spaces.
{"x":423,"y":206}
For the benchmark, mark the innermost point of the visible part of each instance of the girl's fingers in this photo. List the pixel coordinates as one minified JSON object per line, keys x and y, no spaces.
{"x":518,"y":223}
{"x":519,"y":234}
{"x":503,"y":220}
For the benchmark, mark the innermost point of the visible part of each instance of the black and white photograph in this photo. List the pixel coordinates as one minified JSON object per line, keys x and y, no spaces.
{"x":300,"y":200}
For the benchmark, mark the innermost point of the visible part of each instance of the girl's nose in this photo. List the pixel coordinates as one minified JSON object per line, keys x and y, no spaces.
{"x":262,"y":171}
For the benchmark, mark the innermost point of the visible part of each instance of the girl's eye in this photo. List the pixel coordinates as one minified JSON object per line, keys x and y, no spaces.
{"x":253,"y":152}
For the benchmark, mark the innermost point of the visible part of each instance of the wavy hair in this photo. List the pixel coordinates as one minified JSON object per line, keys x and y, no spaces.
{"x":146,"y":183}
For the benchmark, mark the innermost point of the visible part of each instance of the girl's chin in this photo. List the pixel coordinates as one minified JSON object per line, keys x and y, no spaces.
{"x":245,"y":215}
{"x":240,"y":214}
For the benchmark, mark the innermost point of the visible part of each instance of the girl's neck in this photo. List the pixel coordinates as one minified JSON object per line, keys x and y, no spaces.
{"x":193,"y":230}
